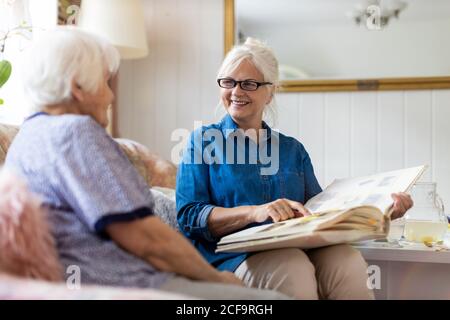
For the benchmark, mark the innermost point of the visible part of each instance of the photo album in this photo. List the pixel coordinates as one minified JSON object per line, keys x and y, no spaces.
{"x":348,"y":210}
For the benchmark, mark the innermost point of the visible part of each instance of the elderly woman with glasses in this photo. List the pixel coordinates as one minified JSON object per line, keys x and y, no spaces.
{"x":224,"y":185}
{"x":100,"y":208}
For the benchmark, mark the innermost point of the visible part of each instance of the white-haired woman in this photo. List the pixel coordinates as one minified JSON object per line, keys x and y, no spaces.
{"x":92,"y":192}
{"x":219,"y":193}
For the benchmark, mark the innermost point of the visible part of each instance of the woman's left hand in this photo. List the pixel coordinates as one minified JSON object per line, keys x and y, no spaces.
{"x":402,"y":203}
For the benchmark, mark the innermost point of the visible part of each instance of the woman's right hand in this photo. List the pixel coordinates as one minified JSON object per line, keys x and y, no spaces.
{"x":278,"y":210}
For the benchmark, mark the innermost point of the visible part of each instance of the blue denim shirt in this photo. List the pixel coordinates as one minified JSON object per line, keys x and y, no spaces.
{"x":207,"y":177}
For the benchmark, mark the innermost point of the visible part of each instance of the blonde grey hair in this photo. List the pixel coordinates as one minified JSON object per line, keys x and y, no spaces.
{"x":262,"y":58}
{"x":59,"y":57}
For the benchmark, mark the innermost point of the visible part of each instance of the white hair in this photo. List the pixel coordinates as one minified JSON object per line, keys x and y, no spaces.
{"x":59,"y":57}
{"x":263,"y":58}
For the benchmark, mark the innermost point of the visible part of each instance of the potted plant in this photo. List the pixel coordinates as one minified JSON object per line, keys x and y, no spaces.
{"x":5,"y":72}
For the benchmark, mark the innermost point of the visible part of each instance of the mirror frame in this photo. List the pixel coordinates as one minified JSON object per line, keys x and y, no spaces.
{"x":416,"y":83}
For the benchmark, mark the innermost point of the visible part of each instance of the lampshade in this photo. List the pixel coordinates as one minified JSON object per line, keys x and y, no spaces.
{"x":119,"y":21}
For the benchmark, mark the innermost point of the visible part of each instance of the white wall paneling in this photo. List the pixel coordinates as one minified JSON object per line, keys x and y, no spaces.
{"x":312,"y":129}
{"x":363,"y":134}
{"x":360,"y":133}
{"x":418,"y":129}
{"x":175,"y":85}
{"x":288,"y":108}
{"x":391,"y":130}
{"x":346,"y":133}
{"x":440,"y":155}
{"x":338,"y":127}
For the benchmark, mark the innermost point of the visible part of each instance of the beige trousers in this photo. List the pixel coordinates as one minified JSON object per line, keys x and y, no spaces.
{"x":334,"y":272}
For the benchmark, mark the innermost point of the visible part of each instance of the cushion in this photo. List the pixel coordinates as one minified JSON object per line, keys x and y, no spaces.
{"x":27,"y":247}
{"x":155,"y":170}
{"x":165,"y":207}
{"x":7,"y":134}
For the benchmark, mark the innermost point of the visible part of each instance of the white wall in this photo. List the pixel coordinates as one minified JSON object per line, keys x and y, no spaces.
{"x":351,"y":134}
{"x":346,"y":133}
{"x":175,"y":85}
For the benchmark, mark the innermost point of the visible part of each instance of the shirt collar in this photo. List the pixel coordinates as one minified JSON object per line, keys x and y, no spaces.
{"x":228,"y":126}
{"x":40,"y":113}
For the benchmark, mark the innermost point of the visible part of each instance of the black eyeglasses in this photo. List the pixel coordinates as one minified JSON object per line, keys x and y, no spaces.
{"x":247,"y":85}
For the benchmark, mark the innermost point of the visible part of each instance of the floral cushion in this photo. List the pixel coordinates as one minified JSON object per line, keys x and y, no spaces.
{"x":7,"y":134}
{"x":155,"y":170}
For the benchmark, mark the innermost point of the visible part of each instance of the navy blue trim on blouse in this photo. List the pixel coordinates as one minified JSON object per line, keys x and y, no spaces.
{"x":41,"y":113}
{"x":108,"y":219}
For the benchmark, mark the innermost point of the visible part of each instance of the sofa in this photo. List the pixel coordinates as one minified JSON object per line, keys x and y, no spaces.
{"x":160,"y":175}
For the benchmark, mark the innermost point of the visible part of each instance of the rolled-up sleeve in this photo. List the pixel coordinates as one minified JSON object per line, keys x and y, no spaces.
{"x":193,"y":194}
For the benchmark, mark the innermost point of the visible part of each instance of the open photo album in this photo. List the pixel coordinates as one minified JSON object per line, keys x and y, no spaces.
{"x":348,"y":210}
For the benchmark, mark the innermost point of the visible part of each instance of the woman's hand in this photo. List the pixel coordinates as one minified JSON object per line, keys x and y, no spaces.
{"x":278,"y":210}
{"x":402,"y":203}
{"x":223,"y":221}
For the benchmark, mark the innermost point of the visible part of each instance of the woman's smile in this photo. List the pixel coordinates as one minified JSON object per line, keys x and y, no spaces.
{"x":239,"y":103}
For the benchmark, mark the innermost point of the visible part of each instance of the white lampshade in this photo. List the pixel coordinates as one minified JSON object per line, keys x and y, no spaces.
{"x":119,"y":21}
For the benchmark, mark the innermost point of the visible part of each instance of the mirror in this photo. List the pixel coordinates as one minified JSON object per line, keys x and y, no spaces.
{"x":348,"y":45}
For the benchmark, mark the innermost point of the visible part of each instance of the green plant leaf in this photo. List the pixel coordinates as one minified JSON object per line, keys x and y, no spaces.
{"x":5,"y":71}
{"x":1,"y":101}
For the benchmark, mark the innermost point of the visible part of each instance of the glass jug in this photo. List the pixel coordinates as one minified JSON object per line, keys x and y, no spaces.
{"x":426,"y":221}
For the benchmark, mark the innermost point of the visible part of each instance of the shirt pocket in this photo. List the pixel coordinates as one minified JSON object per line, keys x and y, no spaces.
{"x":292,"y":185}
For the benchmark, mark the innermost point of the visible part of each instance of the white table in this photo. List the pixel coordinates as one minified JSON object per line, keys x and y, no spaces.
{"x":409,"y":271}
